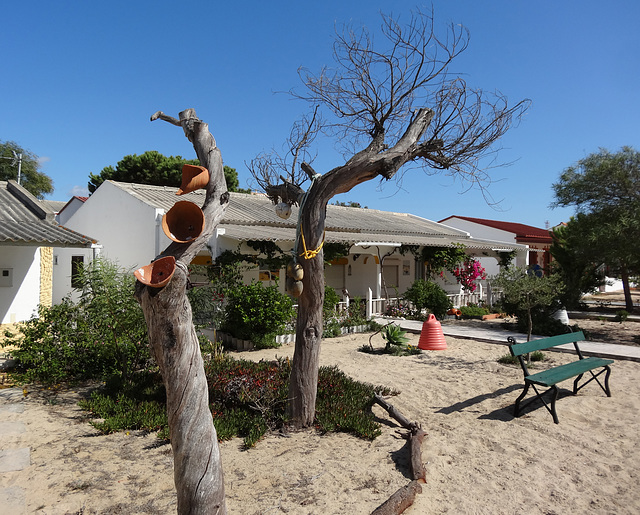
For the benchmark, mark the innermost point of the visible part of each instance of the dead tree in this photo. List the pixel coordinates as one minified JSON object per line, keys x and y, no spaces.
{"x":398,"y":103}
{"x":174,"y":344}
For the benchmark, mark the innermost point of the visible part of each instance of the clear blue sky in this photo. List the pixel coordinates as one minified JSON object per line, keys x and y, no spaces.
{"x":80,"y":80}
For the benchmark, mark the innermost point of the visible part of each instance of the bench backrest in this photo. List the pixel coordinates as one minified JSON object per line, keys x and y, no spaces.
{"x":518,"y":349}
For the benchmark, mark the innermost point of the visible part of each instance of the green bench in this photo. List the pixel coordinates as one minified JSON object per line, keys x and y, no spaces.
{"x":551,"y":377}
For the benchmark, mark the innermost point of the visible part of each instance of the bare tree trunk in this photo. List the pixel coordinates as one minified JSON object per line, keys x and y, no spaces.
{"x":628,"y":300}
{"x":309,"y":326}
{"x":174,"y":344}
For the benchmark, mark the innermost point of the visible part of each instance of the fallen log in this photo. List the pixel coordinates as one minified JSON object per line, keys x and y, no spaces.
{"x":415,"y":449}
{"x":395,"y":414}
{"x":400,"y":500}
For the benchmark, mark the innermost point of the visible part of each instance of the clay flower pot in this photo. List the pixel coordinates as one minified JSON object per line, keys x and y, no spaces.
{"x":158,"y":273}
{"x":184,"y":222}
{"x":194,"y":177}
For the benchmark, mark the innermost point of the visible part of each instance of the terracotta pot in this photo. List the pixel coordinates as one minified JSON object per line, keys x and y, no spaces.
{"x":158,"y":273}
{"x":194,"y":177}
{"x":184,"y":222}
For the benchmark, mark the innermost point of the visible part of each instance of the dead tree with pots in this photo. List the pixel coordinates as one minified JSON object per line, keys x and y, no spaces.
{"x":390,"y":103}
{"x":174,"y":343}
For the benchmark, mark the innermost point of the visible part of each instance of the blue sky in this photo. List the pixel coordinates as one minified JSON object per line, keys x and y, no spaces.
{"x":81,"y":79}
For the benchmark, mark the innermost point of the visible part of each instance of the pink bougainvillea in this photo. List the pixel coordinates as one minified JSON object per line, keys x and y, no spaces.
{"x":468,"y":273}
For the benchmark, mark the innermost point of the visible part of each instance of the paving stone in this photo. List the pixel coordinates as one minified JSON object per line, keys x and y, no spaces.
{"x":14,"y":459}
{"x":10,"y":427}
{"x":13,"y":501}
{"x":12,"y":408}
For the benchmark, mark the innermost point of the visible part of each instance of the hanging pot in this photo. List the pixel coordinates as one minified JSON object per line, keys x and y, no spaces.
{"x":194,"y":177}
{"x":294,"y":270}
{"x":294,"y":288}
{"x":184,"y":222}
{"x":283,"y":210}
{"x":158,"y":273}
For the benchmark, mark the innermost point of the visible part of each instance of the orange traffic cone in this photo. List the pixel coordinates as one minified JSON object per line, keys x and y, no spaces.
{"x":431,"y":336}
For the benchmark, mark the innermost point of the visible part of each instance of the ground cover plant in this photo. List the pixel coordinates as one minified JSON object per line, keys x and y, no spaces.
{"x":247,"y":399}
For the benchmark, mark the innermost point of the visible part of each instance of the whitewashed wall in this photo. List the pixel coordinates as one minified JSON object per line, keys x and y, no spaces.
{"x":20,"y":301}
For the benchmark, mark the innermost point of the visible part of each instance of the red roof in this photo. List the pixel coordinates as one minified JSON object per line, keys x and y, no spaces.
{"x":524,"y":233}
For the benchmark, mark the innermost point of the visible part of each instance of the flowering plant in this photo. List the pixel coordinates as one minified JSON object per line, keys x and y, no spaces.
{"x":468,"y":273}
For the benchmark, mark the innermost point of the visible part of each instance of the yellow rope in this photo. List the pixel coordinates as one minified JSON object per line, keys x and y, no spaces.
{"x":310,"y":254}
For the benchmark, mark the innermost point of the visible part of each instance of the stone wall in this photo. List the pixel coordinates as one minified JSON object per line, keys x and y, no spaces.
{"x":46,"y":276}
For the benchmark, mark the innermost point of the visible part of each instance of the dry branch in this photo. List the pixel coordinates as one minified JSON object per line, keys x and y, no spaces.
{"x":400,"y":500}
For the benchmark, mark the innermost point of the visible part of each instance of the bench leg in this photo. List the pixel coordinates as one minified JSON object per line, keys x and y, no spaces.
{"x":575,"y":384}
{"x":516,"y":411}
{"x":607,"y":390}
{"x":554,"y":397}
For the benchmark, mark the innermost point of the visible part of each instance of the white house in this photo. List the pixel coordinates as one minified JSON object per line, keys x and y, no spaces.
{"x":29,"y":240}
{"x":127,"y":220}
{"x":537,"y":240}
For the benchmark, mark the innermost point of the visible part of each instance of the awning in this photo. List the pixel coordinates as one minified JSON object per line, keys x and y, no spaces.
{"x":288,"y":234}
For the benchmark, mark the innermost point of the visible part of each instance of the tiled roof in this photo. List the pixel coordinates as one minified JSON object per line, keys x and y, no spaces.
{"x":253,"y":217}
{"x":522,"y":232}
{"x":25,"y":220}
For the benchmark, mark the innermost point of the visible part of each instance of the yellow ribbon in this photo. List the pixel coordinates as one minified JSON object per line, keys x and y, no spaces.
{"x":310,"y":254}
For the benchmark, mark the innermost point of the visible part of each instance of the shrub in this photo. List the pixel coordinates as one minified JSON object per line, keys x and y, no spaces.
{"x":331,"y":301}
{"x":622,"y":315}
{"x":103,"y":334}
{"x":258,"y":313}
{"x":473,"y":311}
{"x":246,"y":399}
{"x":394,"y":336}
{"x":356,"y":314}
{"x":428,"y":295}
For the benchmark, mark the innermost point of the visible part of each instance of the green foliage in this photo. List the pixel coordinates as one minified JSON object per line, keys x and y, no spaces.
{"x":247,"y":399}
{"x":573,"y":262}
{"x":335,"y":250}
{"x":154,"y":168}
{"x":394,"y":336}
{"x":138,"y":403}
{"x":605,"y":190}
{"x":439,"y":259}
{"x":527,"y":296}
{"x":103,"y":334}
{"x":344,"y":405}
{"x":330,"y":302}
{"x":473,"y":311}
{"x":31,"y":178}
{"x":508,"y":359}
{"x":622,"y":315}
{"x":428,"y":295}
{"x":258,"y":313}
{"x":356,"y":314}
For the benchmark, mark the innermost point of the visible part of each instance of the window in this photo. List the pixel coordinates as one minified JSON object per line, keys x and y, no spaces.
{"x":77,"y":262}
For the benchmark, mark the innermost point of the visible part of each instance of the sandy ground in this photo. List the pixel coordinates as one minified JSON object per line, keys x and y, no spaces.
{"x":479,"y":459}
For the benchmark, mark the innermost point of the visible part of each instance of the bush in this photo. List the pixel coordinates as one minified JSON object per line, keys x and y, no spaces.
{"x":103,"y":334}
{"x":247,"y":399}
{"x":356,"y":314}
{"x":331,"y":301}
{"x":428,"y":295}
{"x":473,"y":311}
{"x":258,"y":313}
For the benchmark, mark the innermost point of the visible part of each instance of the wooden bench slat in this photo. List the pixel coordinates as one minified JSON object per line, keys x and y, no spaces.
{"x":545,"y":343}
{"x":563,"y":372}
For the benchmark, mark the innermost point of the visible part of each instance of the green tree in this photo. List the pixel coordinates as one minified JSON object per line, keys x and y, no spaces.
{"x":524,"y":292}
{"x":605,"y":190}
{"x":154,"y":168}
{"x":31,"y":178}
{"x":573,"y":261}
